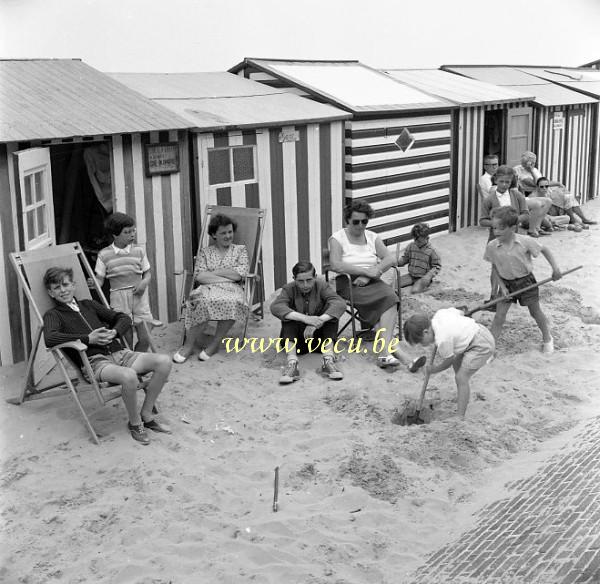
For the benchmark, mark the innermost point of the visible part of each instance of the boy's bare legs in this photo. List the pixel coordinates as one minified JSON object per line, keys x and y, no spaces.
{"x":540,"y":318}
{"x":160,"y":367}
{"x":223,"y":327}
{"x":405,"y":280}
{"x":463,"y":387}
{"x":127,"y":378}
{"x":421,"y":285}
{"x":499,"y":319}
{"x":143,"y":338}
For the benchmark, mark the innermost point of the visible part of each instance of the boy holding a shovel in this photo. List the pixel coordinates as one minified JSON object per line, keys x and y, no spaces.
{"x":460,"y":342}
{"x":511,"y":255}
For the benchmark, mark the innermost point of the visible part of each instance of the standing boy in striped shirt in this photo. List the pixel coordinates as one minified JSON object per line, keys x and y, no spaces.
{"x":128,"y":271}
{"x":423,"y":261}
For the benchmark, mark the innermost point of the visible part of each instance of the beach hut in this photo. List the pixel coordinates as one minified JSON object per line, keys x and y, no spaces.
{"x":74,"y":146}
{"x":563,"y":122}
{"x":255,"y":146}
{"x":397,"y":142}
{"x":586,"y":81}
{"x":489,"y":120}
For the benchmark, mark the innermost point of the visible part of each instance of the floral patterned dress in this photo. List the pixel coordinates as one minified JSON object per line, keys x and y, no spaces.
{"x":223,"y":300}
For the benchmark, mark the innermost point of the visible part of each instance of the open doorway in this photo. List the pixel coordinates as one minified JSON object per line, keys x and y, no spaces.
{"x":83,"y":198}
{"x":493,"y":134}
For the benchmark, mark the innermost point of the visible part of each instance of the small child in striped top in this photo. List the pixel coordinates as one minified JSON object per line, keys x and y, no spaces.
{"x":128,"y":271}
{"x":424,"y":262}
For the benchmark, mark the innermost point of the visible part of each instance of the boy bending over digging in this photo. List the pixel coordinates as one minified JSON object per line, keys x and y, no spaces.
{"x":460,"y":342}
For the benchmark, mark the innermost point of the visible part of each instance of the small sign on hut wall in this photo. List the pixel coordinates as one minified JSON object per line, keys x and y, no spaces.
{"x":161,"y":158}
{"x":558,"y":121}
{"x":289,"y":136}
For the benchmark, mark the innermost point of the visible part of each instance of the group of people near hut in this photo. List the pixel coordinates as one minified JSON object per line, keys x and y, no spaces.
{"x":309,"y":307}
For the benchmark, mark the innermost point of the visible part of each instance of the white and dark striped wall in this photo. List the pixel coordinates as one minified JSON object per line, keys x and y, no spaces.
{"x":299,"y":183}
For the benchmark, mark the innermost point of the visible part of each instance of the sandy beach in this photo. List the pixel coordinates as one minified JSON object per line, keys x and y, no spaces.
{"x":361,"y":500}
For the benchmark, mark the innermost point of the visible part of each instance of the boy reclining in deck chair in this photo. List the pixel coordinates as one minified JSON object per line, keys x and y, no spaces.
{"x":97,"y":327}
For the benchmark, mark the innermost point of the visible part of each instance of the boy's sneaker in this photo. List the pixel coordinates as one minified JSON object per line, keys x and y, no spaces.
{"x":139,"y":433}
{"x":548,"y":347}
{"x":387,"y":361}
{"x":290,"y":373}
{"x":329,"y":368}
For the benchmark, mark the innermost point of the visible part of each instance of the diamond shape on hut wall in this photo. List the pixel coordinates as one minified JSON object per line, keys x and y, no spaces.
{"x":405,"y":140}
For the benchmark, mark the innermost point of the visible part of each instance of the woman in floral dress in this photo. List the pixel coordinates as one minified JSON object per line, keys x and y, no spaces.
{"x":218,"y":293}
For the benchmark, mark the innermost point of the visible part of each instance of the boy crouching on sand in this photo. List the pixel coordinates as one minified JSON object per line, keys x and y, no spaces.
{"x":459,"y":341}
{"x":511,"y":255}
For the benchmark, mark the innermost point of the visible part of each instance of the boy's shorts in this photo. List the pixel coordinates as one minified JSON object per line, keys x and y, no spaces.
{"x":480,"y":349}
{"x":527,"y":298}
{"x":138,"y":307}
{"x":122,"y":358}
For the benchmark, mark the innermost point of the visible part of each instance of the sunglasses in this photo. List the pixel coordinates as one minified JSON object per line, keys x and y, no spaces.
{"x":543,"y":186}
{"x":358,"y":221}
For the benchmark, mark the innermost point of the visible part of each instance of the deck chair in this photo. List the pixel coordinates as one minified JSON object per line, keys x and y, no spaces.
{"x":351,"y":311}
{"x":30,"y":267}
{"x":250,"y":226}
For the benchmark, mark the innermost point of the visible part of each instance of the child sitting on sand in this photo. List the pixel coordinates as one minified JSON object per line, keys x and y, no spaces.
{"x":511,"y":255}
{"x":423,"y":261}
{"x":460,"y":342}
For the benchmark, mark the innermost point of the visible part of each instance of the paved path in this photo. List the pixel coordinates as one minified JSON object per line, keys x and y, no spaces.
{"x":549,"y":533}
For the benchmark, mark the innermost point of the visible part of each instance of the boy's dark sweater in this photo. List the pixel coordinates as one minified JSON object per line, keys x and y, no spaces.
{"x":62,"y":324}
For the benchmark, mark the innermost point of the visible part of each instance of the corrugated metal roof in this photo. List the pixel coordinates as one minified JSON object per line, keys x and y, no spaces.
{"x":219,"y":101}
{"x":546,"y":93}
{"x":350,"y":85}
{"x":456,"y":88}
{"x":586,"y":81}
{"x":62,"y":98}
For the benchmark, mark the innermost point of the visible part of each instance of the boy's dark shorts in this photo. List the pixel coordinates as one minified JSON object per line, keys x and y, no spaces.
{"x":527,"y":298}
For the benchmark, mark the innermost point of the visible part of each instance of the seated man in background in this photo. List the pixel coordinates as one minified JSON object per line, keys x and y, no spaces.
{"x":308,"y":307}
{"x":490,"y":166}
{"x":528,"y":176}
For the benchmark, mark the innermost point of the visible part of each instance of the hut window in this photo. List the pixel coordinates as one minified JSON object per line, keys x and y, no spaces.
{"x":229,"y":165}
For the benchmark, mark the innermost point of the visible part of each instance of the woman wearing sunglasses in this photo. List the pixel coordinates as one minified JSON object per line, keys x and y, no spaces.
{"x":359,"y":252}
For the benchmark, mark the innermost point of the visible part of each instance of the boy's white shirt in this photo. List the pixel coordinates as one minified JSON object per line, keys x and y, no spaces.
{"x":453,"y":332}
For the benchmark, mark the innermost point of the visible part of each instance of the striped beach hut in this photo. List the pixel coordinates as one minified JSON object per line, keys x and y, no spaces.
{"x":397,"y":142}
{"x":489,"y":120}
{"x":256,"y":146}
{"x":74,"y":146}
{"x":586,"y":81}
{"x":563,"y":122}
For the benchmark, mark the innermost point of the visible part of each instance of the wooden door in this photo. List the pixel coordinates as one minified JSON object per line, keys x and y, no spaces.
{"x":518,"y":134}
{"x":37,"y":224}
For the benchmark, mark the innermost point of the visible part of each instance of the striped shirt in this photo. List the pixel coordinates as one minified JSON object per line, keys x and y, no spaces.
{"x":122,"y":266}
{"x":421,"y":260}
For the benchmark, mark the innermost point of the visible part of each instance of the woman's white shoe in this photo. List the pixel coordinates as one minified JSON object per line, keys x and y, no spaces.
{"x":178,"y":357}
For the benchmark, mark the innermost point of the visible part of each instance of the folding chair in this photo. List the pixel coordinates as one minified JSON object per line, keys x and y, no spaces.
{"x":30,"y":267}
{"x":351,"y":311}
{"x":250,"y":226}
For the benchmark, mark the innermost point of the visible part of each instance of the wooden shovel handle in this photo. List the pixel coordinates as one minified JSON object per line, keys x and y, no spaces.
{"x":517,"y":292}
{"x":426,"y":381}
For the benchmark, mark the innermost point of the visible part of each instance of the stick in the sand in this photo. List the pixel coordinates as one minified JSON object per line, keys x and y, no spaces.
{"x":276,"y":490}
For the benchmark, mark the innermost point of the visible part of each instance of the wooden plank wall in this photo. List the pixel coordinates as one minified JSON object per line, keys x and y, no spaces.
{"x":299,"y":183}
{"x":566,"y":154}
{"x":160,"y":205}
{"x":403,"y":188}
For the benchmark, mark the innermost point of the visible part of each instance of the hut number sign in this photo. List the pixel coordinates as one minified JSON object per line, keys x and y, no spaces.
{"x":558,"y":121}
{"x":289,"y":136}
{"x":162,"y":158}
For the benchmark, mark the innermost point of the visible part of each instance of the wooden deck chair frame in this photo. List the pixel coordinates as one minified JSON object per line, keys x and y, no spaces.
{"x":351,"y":311}
{"x":30,"y":267}
{"x":250,"y":226}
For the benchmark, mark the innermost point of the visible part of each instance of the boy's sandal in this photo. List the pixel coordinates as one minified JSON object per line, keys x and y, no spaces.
{"x":417,"y":363}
